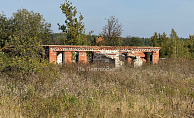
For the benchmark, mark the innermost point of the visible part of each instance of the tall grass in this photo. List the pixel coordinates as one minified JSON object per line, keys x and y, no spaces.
{"x":155,"y":91}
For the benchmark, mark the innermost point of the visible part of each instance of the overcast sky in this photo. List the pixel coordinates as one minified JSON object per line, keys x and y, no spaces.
{"x":138,"y":17}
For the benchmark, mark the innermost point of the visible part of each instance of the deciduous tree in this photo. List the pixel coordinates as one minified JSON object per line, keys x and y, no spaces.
{"x":28,"y":31}
{"x":112,"y":32}
{"x":74,"y":27}
{"x":5,"y":30}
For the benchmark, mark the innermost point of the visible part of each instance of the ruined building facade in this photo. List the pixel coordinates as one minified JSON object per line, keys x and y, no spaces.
{"x":63,"y":53}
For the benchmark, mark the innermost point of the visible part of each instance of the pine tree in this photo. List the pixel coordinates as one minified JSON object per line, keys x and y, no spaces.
{"x":190,"y":45}
{"x":159,"y":40}
{"x":177,"y":47}
{"x":164,"y":45}
{"x":154,"y":40}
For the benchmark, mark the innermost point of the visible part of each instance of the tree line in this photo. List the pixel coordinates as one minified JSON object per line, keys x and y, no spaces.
{"x":27,"y":31}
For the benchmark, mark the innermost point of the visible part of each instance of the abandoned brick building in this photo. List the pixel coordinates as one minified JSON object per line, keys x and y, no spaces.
{"x":63,"y":53}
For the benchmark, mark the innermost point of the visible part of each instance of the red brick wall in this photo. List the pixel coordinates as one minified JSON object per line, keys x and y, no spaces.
{"x":52,"y":56}
{"x":67,"y":57}
{"x":82,"y":57}
{"x":155,"y":57}
{"x":129,"y":60}
{"x":141,"y":54}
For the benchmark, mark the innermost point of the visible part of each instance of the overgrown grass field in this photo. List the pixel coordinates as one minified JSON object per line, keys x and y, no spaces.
{"x":165,"y":90}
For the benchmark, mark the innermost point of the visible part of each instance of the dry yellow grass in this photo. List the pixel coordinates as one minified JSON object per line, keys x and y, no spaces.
{"x":155,"y":91}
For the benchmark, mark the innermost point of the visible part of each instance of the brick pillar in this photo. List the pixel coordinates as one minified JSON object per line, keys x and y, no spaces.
{"x":155,"y":57}
{"x":82,"y":57}
{"x":67,"y":57}
{"x":52,"y":56}
{"x":129,"y":59}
